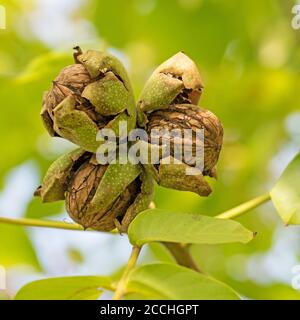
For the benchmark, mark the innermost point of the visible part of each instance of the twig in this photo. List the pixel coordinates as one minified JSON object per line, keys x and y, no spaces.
{"x":43,"y":223}
{"x":121,"y":287}
{"x":245,"y":207}
{"x":230,"y":214}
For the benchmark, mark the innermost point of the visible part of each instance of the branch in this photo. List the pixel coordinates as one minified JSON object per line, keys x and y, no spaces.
{"x":43,"y":223}
{"x":245,"y":207}
{"x":230,"y":214}
{"x":179,"y":252}
{"x":121,"y":287}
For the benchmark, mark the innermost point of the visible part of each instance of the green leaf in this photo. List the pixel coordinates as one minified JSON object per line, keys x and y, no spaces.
{"x":169,"y":281}
{"x":161,"y":225}
{"x":36,"y":209}
{"x":286,"y":193}
{"x":16,"y":248}
{"x":66,"y":288}
{"x":160,"y":253}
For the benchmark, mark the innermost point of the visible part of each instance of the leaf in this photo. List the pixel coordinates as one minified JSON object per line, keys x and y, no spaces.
{"x":269,"y":291}
{"x":16,"y":248}
{"x":171,"y":282}
{"x":66,"y":288}
{"x":161,"y":225}
{"x":286,"y":193}
{"x":37,"y":209}
{"x":160,"y":253}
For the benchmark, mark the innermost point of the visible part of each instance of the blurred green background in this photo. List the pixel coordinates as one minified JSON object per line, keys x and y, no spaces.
{"x":249,"y":58}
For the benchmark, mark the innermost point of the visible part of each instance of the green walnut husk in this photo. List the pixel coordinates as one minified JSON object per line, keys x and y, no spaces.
{"x":176,"y":81}
{"x":55,"y":182}
{"x":173,"y":174}
{"x":101,"y":197}
{"x":92,"y":94}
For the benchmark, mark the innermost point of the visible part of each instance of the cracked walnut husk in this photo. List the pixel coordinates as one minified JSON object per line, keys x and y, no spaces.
{"x":91,"y":94}
{"x":181,"y":153}
{"x":101,"y":197}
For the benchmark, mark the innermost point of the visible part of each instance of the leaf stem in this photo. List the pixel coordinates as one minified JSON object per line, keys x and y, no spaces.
{"x":121,"y":287}
{"x":245,"y":207}
{"x":182,"y":256}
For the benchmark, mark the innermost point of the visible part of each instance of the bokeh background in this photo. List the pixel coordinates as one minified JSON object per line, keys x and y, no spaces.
{"x":249,"y":57}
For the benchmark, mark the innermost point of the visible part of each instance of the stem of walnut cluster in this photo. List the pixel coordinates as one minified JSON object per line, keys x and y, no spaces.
{"x":121,"y":287}
{"x":230,"y":214}
{"x":26,"y":222}
{"x":245,"y":207}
